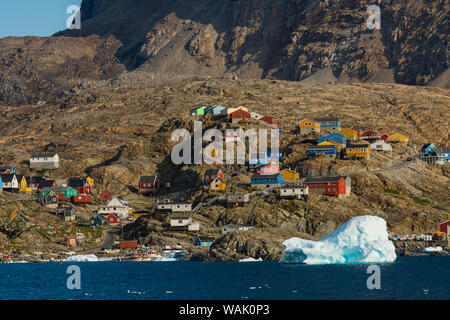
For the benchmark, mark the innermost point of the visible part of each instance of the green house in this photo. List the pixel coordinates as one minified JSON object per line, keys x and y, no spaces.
{"x":198,"y":112}
{"x":19,"y":221}
{"x":66,"y":213}
{"x":61,"y":192}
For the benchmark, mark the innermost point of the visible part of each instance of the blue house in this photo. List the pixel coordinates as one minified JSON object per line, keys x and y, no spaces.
{"x":204,"y":241}
{"x":97,"y":220}
{"x":332,"y":123}
{"x":426,"y":148}
{"x":446,"y":153}
{"x":215,"y":110}
{"x":1,"y":184}
{"x":328,"y":151}
{"x":335,"y":137}
{"x":8,"y":170}
{"x":256,"y":159}
{"x":260,"y":180}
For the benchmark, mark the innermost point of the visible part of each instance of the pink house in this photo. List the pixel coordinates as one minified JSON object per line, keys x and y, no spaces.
{"x":269,"y":169}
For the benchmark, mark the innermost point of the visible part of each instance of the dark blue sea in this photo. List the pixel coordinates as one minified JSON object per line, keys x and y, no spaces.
{"x":407,"y":278}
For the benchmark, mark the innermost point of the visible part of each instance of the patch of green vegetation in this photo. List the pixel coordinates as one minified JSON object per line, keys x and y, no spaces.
{"x":41,"y":172}
{"x":290,"y":206}
{"x":393,"y":191}
{"x":421,"y":201}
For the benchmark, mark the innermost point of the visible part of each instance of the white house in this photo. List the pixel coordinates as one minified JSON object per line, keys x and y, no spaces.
{"x":10,"y":182}
{"x":175,"y":206}
{"x":380,"y":145}
{"x":184,"y":224}
{"x":44,"y":161}
{"x":291,"y":192}
{"x":232,"y":228}
{"x":118,"y":206}
{"x":256,"y":115}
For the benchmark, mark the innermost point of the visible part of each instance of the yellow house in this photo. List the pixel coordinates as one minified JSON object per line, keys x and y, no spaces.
{"x":23,"y":186}
{"x":308,"y":125}
{"x":330,"y":143}
{"x":16,"y":212}
{"x":399,"y":138}
{"x":358,"y":151}
{"x":217,"y":185}
{"x":349,"y":133}
{"x":290,"y":175}
{"x":91,"y":181}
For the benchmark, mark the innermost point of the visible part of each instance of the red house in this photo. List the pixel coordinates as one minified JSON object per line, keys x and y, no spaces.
{"x":82,"y":185}
{"x":370,"y":134}
{"x":46,"y":184}
{"x":239,"y":115}
{"x":128,"y":244}
{"x":212,"y":174}
{"x":339,"y":186}
{"x":269,"y":120}
{"x":106,"y":196}
{"x":148,"y":185}
{"x":384,"y":137}
{"x":72,"y":241}
{"x":445,"y":227}
{"x":113,"y":219}
{"x":81,"y":199}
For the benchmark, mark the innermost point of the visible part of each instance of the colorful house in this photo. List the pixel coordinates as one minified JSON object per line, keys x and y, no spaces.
{"x":106,"y":196}
{"x":332,"y":124}
{"x":82,"y":185}
{"x":266,"y":181}
{"x":50,"y":200}
{"x":445,"y":227}
{"x":81,"y":198}
{"x":358,"y":151}
{"x":10,"y":182}
{"x":8,"y":170}
{"x":350,"y":134}
{"x":335,"y":137}
{"x":307,"y":126}
{"x":204,"y":241}
{"x":238,"y":115}
{"x":65,"y":213}
{"x":384,"y":137}
{"x":229,"y":111}
{"x":97,"y":220}
{"x":46,"y":184}
{"x":214,"y":110}
{"x":211,"y":174}
{"x":446,"y":153}
{"x":71,"y":241}
{"x":331,"y":143}
{"x":269,"y":169}
{"x":63,"y":193}
{"x":398,"y":138}
{"x":370,"y":134}
{"x":19,"y":221}
{"x":427,"y":148}
{"x":1,"y":185}
{"x":217,"y":185}
{"x":339,"y":186}
{"x":294,"y":192}
{"x":33,"y":182}
{"x":112,"y":219}
{"x":117,"y":206}
{"x":23,"y":185}
{"x":148,"y":185}
{"x":290,"y":176}
{"x":256,"y":115}
{"x":269,"y":120}
{"x":198,"y":112}
{"x":328,"y":151}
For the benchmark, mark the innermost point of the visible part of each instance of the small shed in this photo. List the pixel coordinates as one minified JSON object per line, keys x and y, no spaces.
{"x":204,"y":241}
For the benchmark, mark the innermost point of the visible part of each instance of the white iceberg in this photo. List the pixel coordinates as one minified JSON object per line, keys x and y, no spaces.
{"x":83,"y":258}
{"x":362,"y":239}
{"x":433,"y":249}
{"x":250,"y":260}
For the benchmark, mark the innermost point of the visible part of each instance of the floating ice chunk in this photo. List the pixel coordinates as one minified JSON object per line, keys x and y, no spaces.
{"x":250,"y":260}
{"x":362,"y":239}
{"x":83,"y":258}
{"x":433,"y":249}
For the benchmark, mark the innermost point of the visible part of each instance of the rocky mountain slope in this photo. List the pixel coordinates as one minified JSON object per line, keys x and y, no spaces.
{"x":116,"y":134}
{"x":311,"y":40}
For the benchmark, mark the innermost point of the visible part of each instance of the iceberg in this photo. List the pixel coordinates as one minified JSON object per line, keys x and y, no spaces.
{"x":83,"y":258}
{"x":362,"y":239}
{"x":250,"y":260}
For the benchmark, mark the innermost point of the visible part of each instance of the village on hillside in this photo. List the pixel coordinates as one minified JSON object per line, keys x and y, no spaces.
{"x":263,"y":174}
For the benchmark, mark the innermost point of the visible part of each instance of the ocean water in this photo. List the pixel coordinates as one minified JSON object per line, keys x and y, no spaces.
{"x":407,"y":278}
